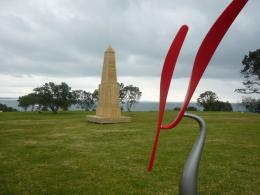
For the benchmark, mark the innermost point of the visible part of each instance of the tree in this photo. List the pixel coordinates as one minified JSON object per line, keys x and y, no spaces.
{"x":122,"y":93}
{"x":27,"y":101}
{"x":222,"y":106}
{"x":64,"y":94}
{"x":24,"y":102}
{"x":95,"y":98}
{"x":207,"y":100}
{"x":251,"y":73}
{"x":251,"y":105}
{"x":130,"y":95}
{"x":84,"y":100}
{"x":54,"y":96}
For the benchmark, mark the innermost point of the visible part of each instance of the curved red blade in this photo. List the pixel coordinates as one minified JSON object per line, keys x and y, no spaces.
{"x":166,"y":75}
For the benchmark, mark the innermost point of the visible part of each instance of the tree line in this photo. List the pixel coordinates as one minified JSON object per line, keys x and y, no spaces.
{"x":55,"y":97}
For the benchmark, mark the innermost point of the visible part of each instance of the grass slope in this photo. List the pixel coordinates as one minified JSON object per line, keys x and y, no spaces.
{"x":63,"y":154}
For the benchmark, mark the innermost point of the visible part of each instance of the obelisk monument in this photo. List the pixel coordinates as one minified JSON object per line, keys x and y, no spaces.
{"x":108,"y":109}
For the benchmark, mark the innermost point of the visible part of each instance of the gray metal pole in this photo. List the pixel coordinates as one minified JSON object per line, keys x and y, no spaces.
{"x":188,"y":182}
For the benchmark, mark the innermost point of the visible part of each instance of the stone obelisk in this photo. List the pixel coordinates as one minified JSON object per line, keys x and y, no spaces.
{"x":108,"y":109}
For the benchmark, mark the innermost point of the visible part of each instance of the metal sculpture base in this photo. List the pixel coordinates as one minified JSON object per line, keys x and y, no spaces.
{"x":188,"y":182}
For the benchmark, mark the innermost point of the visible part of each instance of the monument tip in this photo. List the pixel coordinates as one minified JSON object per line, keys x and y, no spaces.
{"x":110,"y":49}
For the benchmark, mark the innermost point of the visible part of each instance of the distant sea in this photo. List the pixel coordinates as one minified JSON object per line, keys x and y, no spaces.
{"x":141,"y":106}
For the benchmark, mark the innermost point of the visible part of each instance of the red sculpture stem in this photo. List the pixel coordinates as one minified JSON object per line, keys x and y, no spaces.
{"x":203,"y":57}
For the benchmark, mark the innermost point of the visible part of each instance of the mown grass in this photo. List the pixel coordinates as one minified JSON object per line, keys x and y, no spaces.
{"x":64,"y":154}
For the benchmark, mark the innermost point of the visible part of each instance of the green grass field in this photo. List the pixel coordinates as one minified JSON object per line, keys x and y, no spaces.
{"x":63,"y":154}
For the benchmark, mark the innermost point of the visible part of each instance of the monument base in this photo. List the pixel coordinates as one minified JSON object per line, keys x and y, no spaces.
{"x":102,"y":120}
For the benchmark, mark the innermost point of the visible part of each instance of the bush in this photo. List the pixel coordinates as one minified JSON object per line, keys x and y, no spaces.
{"x":5,"y":108}
{"x":192,"y":108}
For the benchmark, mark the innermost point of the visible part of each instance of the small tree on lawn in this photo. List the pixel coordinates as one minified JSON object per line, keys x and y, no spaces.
{"x":207,"y":100}
{"x":130,"y":96}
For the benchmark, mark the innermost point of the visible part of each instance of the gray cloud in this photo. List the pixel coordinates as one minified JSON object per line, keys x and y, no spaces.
{"x":68,"y":38}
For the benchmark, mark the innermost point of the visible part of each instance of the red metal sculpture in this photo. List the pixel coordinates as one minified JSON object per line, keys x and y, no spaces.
{"x":203,"y":57}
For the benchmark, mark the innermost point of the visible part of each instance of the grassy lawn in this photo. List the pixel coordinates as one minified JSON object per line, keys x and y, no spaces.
{"x":64,"y":154}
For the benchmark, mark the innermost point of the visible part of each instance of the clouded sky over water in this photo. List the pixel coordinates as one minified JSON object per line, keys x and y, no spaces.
{"x":64,"y":40}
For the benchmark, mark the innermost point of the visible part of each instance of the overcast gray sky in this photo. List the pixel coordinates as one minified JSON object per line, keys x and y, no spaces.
{"x":64,"y":40}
